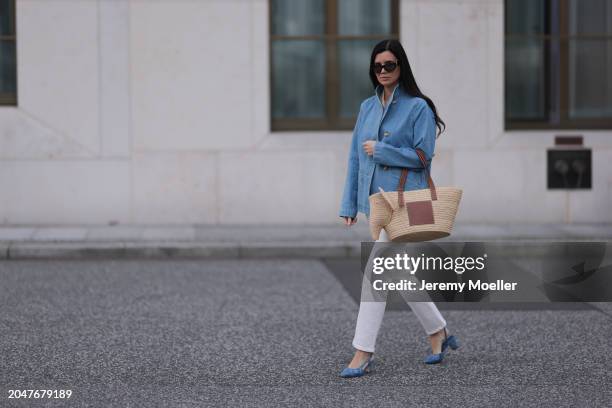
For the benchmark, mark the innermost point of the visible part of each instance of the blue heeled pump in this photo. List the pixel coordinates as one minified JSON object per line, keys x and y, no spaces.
{"x":449,"y":341}
{"x":363,"y":369}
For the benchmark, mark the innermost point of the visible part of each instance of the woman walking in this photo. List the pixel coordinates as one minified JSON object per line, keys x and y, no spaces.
{"x":391,"y":124}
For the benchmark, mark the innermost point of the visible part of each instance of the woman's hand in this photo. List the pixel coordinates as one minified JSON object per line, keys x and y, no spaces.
{"x":348,"y":221}
{"x":368,"y":146}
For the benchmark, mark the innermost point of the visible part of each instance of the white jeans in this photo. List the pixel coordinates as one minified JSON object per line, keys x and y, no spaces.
{"x":371,"y":315}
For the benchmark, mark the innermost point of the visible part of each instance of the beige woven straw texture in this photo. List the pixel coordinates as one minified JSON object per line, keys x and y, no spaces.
{"x":385,"y":213}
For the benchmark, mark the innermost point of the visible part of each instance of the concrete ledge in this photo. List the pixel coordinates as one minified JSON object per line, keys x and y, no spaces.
{"x":84,"y":250}
{"x":77,"y":250}
{"x":118,"y":250}
{"x":252,"y":241}
{"x":295,"y":250}
{"x":43,"y":250}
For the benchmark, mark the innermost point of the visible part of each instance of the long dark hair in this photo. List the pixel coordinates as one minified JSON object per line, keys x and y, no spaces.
{"x":406,"y":80}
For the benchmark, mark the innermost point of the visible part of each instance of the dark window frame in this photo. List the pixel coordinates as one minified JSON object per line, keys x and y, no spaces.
{"x":10,"y":98}
{"x":332,"y":121}
{"x":559,"y":37}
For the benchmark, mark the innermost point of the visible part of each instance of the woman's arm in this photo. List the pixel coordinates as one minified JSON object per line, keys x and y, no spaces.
{"x":348,"y":204}
{"x":424,"y":139}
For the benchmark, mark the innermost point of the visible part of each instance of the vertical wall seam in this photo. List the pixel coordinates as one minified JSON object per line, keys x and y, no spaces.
{"x":488,"y":68}
{"x":251,"y":73}
{"x":217,"y":204}
{"x":100,"y":96}
{"x":128,"y":11}
{"x":567,"y":208}
{"x":418,"y":30}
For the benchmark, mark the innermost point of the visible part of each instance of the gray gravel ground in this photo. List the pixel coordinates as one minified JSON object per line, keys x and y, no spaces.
{"x":276,"y":332}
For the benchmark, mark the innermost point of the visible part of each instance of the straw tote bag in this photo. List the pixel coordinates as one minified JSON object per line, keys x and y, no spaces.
{"x":416,"y":215}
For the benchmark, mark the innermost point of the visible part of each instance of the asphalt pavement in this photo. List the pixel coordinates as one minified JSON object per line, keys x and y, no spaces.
{"x":276,"y":332}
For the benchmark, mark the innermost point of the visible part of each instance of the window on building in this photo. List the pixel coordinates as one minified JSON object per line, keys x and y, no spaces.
{"x":8,"y":60}
{"x":319,"y":59}
{"x":558,"y":64}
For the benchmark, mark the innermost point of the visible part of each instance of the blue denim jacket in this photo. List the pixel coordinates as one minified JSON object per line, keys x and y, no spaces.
{"x":405,"y":123}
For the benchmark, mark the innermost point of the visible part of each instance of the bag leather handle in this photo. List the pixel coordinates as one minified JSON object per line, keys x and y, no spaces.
{"x":404,"y":176}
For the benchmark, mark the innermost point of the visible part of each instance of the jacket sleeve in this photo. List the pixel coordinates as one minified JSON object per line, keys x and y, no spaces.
{"x":405,"y":156}
{"x":348,"y":204}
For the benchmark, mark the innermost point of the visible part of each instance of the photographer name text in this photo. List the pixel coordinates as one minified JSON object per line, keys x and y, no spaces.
{"x":498,"y":285}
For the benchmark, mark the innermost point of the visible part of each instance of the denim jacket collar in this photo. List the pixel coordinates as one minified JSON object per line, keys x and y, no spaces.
{"x":396,"y":91}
